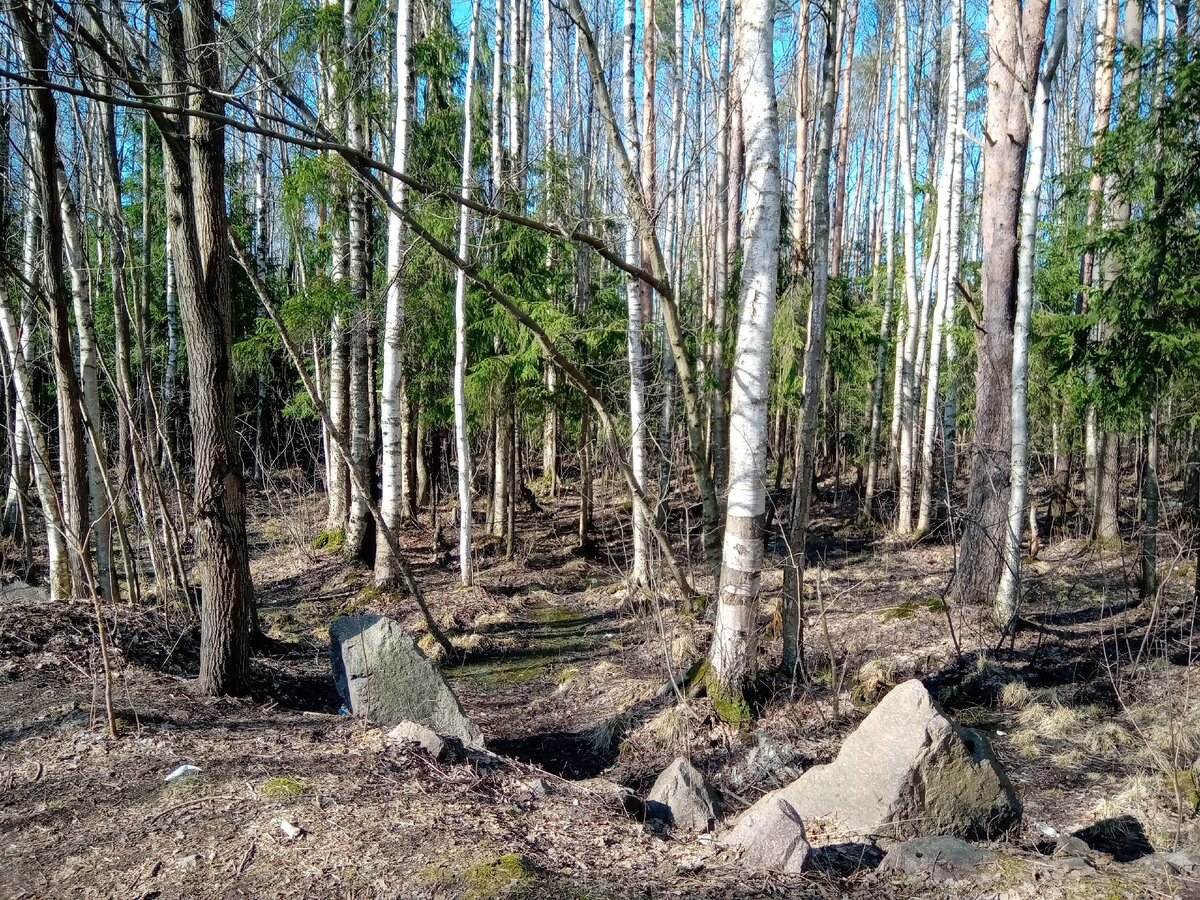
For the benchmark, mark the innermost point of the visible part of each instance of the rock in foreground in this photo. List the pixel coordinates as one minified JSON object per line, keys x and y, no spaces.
{"x":683,"y":791}
{"x":937,"y":858}
{"x":383,"y":676}
{"x":909,"y":771}
{"x":770,"y":837}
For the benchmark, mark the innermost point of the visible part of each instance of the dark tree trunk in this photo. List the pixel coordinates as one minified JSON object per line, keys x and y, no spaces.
{"x":195,"y":175}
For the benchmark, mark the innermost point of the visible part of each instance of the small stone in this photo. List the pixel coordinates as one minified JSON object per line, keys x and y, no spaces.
{"x":1067,"y":845}
{"x":684,"y":794}
{"x":425,"y":738}
{"x":937,"y":858}
{"x":770,"y":838}
{"x":539,"y":787}
{"x":188,"y":863}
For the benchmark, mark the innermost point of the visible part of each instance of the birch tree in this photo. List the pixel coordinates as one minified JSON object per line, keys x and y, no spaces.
{"x":391,"y":398}
{"x":462,"y":435}
{"x":733,"y":646}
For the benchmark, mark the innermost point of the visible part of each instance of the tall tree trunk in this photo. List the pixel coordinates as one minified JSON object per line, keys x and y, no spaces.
{"x":912,"y":321}
{"x":733,"y":646}
{"x":949,"y":198}
{"x":18,"y":485}
{"x":814,"y":363}
{"x":1016,"y":33}
{"x":798,"y":222}
{"x":1102,"y":95}
{"x":195,"y":175}
{"x":838,"y":213}
{"x":888,"y":185}
{"x":391,"y":395}
{"x":1004,"y":608}
{"x":43,"y":125}
{"x":461,"y":433}
{"x":99,"y":519}
{"x":640,"y":572}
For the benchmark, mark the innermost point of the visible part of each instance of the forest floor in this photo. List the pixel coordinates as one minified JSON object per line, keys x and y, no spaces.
{"x":1091,"y":709}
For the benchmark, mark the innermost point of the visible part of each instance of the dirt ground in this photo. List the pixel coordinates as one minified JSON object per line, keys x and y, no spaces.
{"x":1091,"y":708}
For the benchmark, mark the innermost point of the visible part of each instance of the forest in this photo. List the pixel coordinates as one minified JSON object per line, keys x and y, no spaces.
{"x":600,"y":448}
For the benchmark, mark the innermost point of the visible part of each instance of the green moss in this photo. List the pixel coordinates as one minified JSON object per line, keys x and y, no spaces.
{"x":496,"y":877}
{"x":283,"y":787}
{"x":330,"y":539}
{"x":732,"y":708}
{"x":909,"y":608}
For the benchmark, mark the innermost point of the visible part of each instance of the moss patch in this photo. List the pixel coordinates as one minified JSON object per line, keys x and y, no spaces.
{"x":909,"y":608}
{"x":496,"y":877}
{"x":330,"y":539}
{"x":283,"y":787}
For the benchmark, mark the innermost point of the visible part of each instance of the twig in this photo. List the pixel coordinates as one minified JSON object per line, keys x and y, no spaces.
{"x":195,"y":801}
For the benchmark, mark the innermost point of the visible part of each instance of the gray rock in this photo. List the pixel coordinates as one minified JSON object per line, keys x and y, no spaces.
{"x":909,"y":771}
{"x":1074,"y":865}
{"x":426,"y":738}
{"x":1068,"y":846}
{"x":769,"y":764}
{"x":770,"y":837}
{"x":383,"y":676}
{"x":1178,"y":864}
{"x":684,"y":792}
{"x":20,"y":592}
{"x":937,"y":858}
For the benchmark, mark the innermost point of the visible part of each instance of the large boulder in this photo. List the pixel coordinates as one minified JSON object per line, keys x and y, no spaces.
{"x":770,"y":837}
{"x":383,"y":676}
{"x":682,"y":791}
{"x":909,"y":771}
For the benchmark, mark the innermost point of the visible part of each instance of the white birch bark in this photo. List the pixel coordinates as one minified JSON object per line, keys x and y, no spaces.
{"x":640,"y":573}
{"x":56,"y":535}
{"x":949,"y":193}
{"x":19,"y":476}
{"x":887,"y":185}
{"x":912,"y":324}
{"x":1004,"y":609}
{"x":100,"y":519}
{"x":461,"y":434}
{"x":392,"y":499}
{"x":732,"y":654}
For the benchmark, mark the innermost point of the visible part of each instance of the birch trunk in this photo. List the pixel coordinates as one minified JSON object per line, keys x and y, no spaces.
{"x":640,"y":573}
{"x":888,"y":187}
{"x":391,"y":395}
{"x":99,"y":519}
{"x":912,"y":322}
{"x":733,"y":646}
{"x":18,"y":485}
{"x":838,"y":212}
{"x":949,"y":196}
{"x":461,"y":433}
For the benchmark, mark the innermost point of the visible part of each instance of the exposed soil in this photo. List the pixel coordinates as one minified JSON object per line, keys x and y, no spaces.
{"x":1090,"y":708}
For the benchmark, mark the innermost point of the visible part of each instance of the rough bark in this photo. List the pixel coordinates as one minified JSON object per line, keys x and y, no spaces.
{"x":1016,"y":33}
